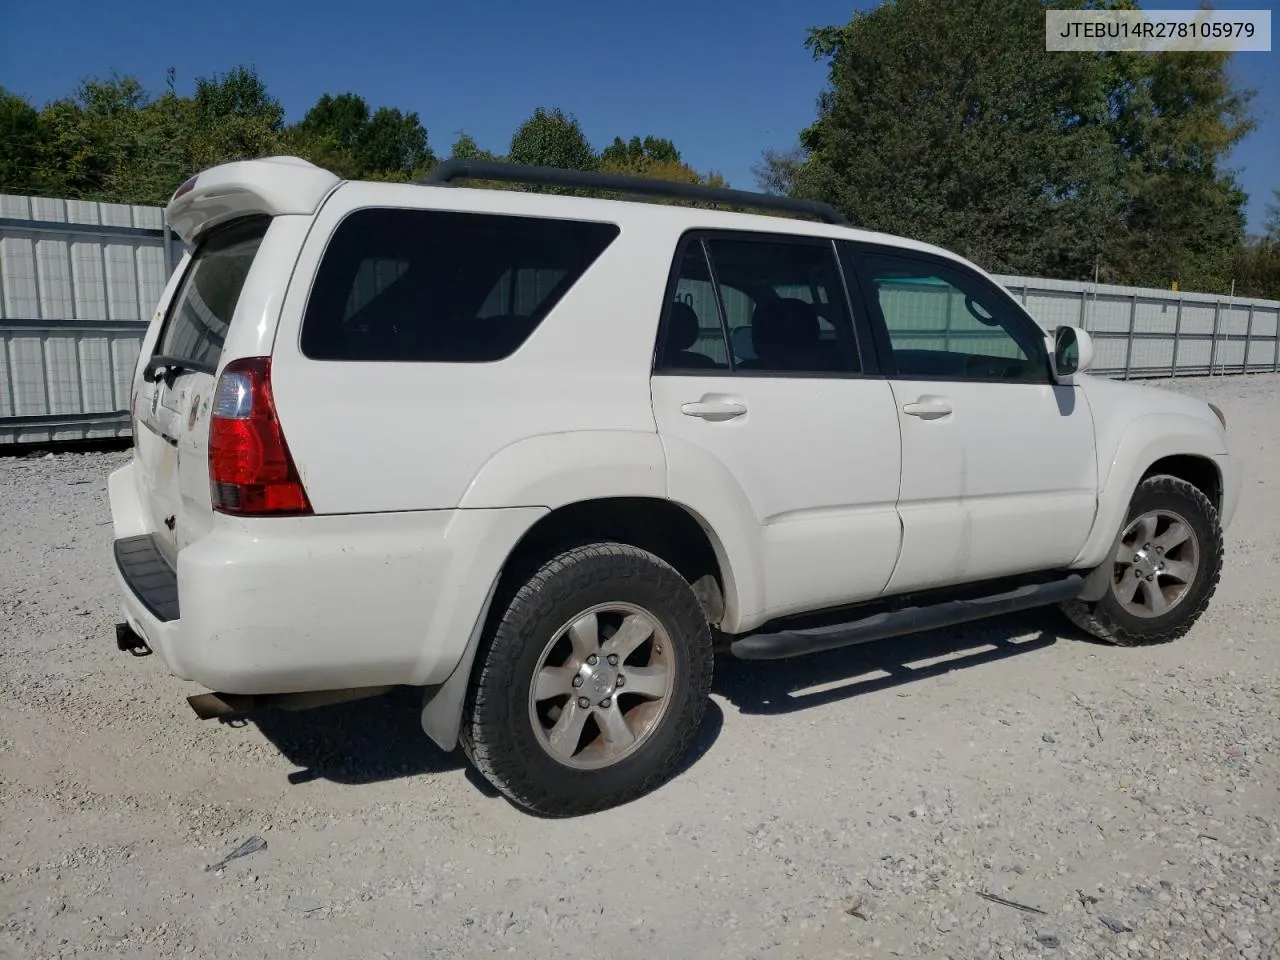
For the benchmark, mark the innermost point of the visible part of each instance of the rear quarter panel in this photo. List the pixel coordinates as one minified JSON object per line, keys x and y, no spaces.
{"x":376,"y":437}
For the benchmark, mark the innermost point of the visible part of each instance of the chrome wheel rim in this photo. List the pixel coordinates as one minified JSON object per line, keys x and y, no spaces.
{"x":602,"y":685}
{"x":1156,"y":564}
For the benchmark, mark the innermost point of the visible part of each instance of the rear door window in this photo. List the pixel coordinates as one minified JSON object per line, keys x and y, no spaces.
{"x":438,"y":286}
{"x":197,"y":324}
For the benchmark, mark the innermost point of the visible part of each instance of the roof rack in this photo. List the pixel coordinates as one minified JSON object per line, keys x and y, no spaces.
{"x":449,"y":171}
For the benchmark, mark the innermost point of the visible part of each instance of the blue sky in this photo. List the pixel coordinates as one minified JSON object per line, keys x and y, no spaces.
{"x":723,"y":80}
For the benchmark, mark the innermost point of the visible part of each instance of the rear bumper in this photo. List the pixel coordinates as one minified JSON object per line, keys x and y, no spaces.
{"x":293,"y":604}
{"x":144,"y":572}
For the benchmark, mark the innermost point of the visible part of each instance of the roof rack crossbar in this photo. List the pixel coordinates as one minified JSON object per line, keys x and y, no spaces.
{"x":449,"y":171}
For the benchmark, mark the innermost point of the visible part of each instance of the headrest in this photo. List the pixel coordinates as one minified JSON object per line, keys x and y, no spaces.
{"x":682,"y":326}
{"x":779,"y":328}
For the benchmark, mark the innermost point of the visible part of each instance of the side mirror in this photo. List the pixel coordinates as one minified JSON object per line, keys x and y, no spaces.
{"x":1072,"y":352}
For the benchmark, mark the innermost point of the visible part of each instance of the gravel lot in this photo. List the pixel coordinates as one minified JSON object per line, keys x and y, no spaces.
{"x":857,"y":804}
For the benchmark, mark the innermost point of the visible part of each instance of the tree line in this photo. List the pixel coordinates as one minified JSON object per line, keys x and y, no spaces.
{"x":112,"y":140}
{"x":947,"y":122}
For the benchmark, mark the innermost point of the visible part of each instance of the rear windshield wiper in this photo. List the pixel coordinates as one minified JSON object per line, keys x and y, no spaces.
{"x":165,"y":368}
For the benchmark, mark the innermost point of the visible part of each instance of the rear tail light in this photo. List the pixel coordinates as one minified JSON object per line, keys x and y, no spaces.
{"x":250,"y":470}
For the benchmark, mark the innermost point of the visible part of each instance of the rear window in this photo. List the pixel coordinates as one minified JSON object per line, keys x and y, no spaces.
{"x":202,"y":308}
{"x":432,"y":286}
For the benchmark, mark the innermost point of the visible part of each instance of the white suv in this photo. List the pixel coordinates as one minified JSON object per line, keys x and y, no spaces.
{"x":537,"y":453}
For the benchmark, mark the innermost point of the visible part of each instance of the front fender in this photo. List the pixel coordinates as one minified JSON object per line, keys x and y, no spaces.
{"x":1147,"y":439}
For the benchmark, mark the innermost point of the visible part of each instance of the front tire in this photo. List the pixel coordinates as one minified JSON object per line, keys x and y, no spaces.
{"x":1165,"y":570}
{"x":592,"y":683}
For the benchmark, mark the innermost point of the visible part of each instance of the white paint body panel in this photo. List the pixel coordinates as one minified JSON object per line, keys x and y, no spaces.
{"x":1137,"y":426}
{"x":424,"y":477}
{"x":813,"y":470}
{"x":1005,"y":484}
{"x":276,"y":186}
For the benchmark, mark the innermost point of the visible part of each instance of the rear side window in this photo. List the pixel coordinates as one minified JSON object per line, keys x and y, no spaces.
{"x":433,"y":286}
{"x":202,"y":309}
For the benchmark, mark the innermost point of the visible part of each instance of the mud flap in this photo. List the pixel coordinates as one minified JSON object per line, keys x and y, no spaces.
{"x":442,"y":704}
{"x":1097,"y":580}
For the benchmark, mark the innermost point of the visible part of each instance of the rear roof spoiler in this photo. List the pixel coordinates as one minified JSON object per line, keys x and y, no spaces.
{"x":273,"y":186}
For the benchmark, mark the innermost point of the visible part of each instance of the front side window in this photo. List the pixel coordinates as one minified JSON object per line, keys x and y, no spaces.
{"x":202,"y":308}
{"x":944,"y":322}
{"x":768,"y":305}
{"x":437,"y":286}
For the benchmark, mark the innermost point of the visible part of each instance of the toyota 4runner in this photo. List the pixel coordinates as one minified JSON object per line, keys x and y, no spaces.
{"x":538,"y":454}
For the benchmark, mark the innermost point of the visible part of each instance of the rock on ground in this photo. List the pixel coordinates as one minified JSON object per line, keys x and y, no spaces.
{"x":859,"y":804}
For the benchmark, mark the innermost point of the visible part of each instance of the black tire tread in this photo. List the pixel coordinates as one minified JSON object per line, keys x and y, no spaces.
{"x":1094,"y":617}
{"x":486,"y":709}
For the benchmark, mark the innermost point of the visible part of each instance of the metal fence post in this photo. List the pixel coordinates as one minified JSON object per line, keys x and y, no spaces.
{"x":1133,"y":322}
{"x":1213,"y":343}
{"x":167,"y":242}
{"x":1275,"y":359}
{"x":1248,"y":338}
{"x":6,"y":350}
{"x":1177,"y":339}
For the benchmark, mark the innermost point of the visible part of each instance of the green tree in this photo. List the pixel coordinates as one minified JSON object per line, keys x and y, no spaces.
{"x":340,"y":134}
{"x":636,"y":152}
{"x":466,"y":148}
{"x":394,"y":146}
{"x":1173,"y":120}
{"x":111,"y":140}
{"x":950,"y":122}
{"x":19,"y":145}
{"x":552,"y":139}
{"x":775,"y":173}
{"x":231,"y":117}
{"x":103,"y":144}
{"x":1257,"y":268}
{"x":1273,"y":217}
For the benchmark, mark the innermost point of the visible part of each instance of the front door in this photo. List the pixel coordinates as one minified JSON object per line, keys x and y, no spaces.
{"x":760,"y":398}
{"x":999,"y":473}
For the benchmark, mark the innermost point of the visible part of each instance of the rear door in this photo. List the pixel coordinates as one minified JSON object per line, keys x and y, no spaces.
{"x":760,"y":379}
{"x":173,"y":399}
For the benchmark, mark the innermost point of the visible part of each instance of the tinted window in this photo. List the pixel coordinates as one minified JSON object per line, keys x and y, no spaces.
{"x":202,"y":308}
{"x":693,"y":339}
{"x":945,"y":322}
{"x":429,"y":286}
{"x":784,"y":306}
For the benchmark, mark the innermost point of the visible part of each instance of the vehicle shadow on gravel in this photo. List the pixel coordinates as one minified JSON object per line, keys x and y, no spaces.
{"x":364,"y":741}
{"x":785,"y":686}
{"x":380,"y":739}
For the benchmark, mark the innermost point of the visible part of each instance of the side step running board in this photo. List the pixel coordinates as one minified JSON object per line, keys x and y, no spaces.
{"x":893,"y":623}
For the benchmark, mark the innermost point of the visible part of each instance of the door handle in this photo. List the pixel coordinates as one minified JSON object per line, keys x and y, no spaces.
{"x":714,"y":408}
{"x":928,"y":407}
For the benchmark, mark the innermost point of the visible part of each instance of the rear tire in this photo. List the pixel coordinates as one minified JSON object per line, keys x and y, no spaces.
{"x":1166,"y":569}
{"x":592,"y":683}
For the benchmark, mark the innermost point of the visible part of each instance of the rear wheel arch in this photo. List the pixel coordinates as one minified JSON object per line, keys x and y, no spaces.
{"x":671,"y":531}
{"x":663,"y":527}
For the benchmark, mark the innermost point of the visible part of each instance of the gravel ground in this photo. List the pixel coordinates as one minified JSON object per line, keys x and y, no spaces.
{"x":866,"y":803}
